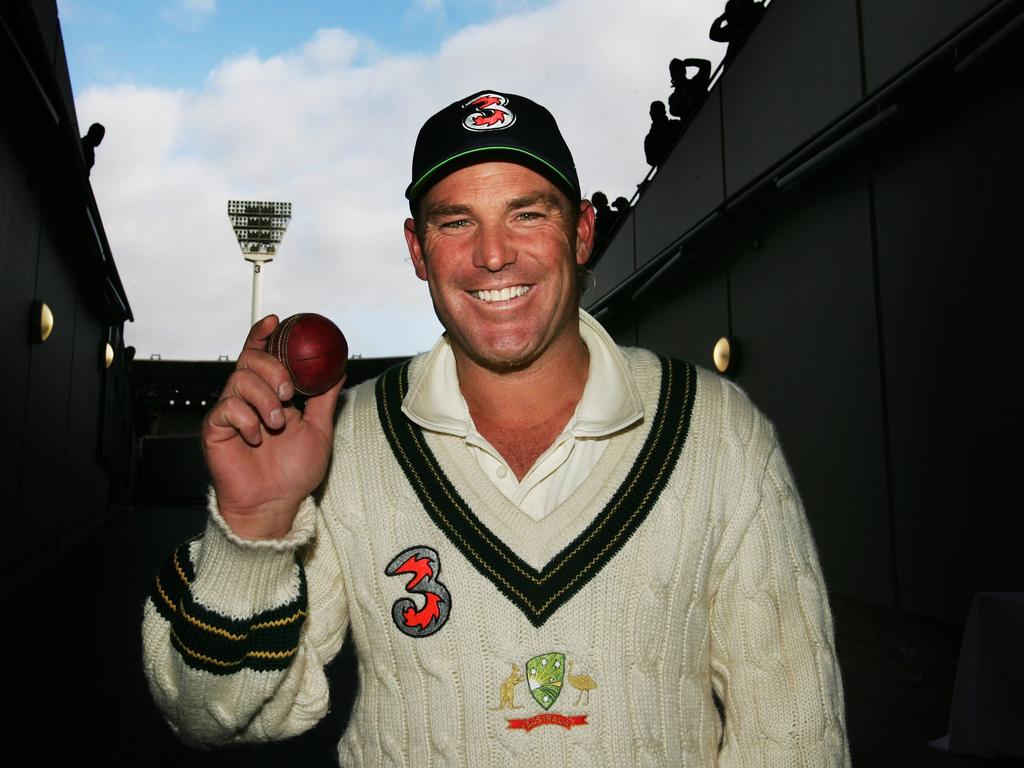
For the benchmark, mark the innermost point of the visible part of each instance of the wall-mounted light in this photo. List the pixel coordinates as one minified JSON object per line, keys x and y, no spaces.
{"x":42,"y":322}
{"x":108,"y":354}
{"x":724,"y":355}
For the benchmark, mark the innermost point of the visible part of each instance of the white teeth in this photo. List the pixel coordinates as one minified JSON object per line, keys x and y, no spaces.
{"x":503,"y":294}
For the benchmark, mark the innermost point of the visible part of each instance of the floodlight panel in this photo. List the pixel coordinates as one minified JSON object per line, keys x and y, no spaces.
{"x":259,"y":226}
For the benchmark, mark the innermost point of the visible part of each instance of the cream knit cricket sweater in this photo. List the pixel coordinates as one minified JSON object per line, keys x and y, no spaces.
{"x":593,"y":637}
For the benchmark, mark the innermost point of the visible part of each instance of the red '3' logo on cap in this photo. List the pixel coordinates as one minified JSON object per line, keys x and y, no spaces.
{"x":491,"y":113}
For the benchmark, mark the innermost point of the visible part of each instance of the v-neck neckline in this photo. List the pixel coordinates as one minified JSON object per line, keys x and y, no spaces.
{"x":572,"y":547}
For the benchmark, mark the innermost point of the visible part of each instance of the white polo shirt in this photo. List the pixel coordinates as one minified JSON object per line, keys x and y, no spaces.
{"x":610,"y":403}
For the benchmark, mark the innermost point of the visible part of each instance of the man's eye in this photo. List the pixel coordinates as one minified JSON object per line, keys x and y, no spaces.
{"x":456,"y":224}
{"x":529,"y":215}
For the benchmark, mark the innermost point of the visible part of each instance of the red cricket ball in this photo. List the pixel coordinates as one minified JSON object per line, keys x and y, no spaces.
{"x":313,"y":350}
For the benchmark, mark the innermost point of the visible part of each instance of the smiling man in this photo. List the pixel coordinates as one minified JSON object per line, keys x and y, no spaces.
{"x":548,"y":548}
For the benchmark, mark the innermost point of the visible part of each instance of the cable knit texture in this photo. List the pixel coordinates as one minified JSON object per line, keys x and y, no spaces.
{"x":718,"y":589}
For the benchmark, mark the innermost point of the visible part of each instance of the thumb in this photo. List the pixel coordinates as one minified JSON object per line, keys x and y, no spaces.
{"x":320,"y":409}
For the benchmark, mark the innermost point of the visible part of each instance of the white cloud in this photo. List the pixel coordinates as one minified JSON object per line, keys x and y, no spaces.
{"x":330,"y":126}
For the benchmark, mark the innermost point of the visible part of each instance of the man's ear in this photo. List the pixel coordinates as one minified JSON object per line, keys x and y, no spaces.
{"x":585,"y":232}
{"x":412,"y":242}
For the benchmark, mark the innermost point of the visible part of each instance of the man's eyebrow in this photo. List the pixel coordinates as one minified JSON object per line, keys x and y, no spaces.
{"x":537,"y":198}
{"x":445,"y":209}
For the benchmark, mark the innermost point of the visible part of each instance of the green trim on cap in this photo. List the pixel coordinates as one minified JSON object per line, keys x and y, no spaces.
{"x":419,"y":182}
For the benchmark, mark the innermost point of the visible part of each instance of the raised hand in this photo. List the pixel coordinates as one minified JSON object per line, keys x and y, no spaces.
{"x":264,"y":457}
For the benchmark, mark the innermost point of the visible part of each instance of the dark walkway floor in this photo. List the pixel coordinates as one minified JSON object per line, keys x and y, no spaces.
{"x":72,"y":651}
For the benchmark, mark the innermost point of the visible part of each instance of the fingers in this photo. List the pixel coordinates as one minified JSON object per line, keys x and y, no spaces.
{"x":246,"y":402}
{"x":268,"y":368}
{"x":254,"y":395}
{"x":254,"y":356}
{"x":233,"y":416}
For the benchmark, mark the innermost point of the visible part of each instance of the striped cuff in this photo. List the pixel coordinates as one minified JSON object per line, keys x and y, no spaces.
{"x":214,"y":642}
{"x":250,"y":603}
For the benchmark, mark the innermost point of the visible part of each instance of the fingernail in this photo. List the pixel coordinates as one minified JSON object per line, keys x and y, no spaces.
{"x":276,"y":418}
{"x":284,"y":390}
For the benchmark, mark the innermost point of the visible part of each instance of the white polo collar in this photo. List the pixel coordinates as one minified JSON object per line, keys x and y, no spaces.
{"x":610,"y":402}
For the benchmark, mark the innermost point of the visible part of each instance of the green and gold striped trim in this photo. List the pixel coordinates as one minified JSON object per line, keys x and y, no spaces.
{"x":539,"y":593}
{"x":217,"y":643}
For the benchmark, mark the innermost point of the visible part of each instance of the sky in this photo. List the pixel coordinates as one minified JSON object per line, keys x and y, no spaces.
{"x":318,"y":102}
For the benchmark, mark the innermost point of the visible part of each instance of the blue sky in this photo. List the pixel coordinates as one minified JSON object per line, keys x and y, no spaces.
{"x":176,"y":43}
{"x":318,"y":103}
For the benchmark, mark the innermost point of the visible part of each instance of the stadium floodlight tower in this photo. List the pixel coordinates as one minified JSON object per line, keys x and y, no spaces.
{"x":259,"y":227}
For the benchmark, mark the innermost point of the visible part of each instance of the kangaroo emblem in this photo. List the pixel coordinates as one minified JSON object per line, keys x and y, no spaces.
{"x":507,"y":692}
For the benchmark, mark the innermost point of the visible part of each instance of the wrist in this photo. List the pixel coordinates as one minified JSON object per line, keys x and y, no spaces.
{"x":265,"y":522}
{"x":259,"y":526}
{"x":280,"y":525}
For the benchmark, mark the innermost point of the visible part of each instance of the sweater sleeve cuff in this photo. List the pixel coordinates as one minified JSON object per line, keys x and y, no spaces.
{"x":303,"y":528}
{"x":242,"y":577}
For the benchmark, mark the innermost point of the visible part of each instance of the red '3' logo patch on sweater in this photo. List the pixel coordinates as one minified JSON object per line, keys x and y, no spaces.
{"x":423,"y":565}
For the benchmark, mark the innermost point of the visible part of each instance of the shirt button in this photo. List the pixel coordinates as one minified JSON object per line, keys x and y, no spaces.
{"x":501,"y":472}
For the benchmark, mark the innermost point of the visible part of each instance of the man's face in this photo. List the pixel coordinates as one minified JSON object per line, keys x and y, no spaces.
{"x":499,"y":250}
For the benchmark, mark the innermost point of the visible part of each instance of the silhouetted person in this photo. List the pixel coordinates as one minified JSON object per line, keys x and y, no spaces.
{"x":91,"y":140}
{"x":662,"y":136}
{"x":605,"y":218}
{"x":620,"y":206}
{"x":735,"y":25}
{"x":688,"y":92}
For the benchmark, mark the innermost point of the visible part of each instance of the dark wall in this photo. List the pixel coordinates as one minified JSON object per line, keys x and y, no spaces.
{"x":808,"y":63}
{"x":893,"y":41}
{"x":947,"y":197}
{"x":795,"y":75}
{"x":63,"y":460}
{"x":869,"y":299}
{"x":19,"y":234}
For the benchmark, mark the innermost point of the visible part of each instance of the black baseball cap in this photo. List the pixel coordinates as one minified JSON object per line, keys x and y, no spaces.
{"x":491,"y":125}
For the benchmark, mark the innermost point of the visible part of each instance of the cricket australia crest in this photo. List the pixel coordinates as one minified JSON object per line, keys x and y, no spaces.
{"x":545,"y":677}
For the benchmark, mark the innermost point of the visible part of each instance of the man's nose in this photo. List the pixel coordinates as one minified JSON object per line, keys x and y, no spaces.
{"x":494,"y":249}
